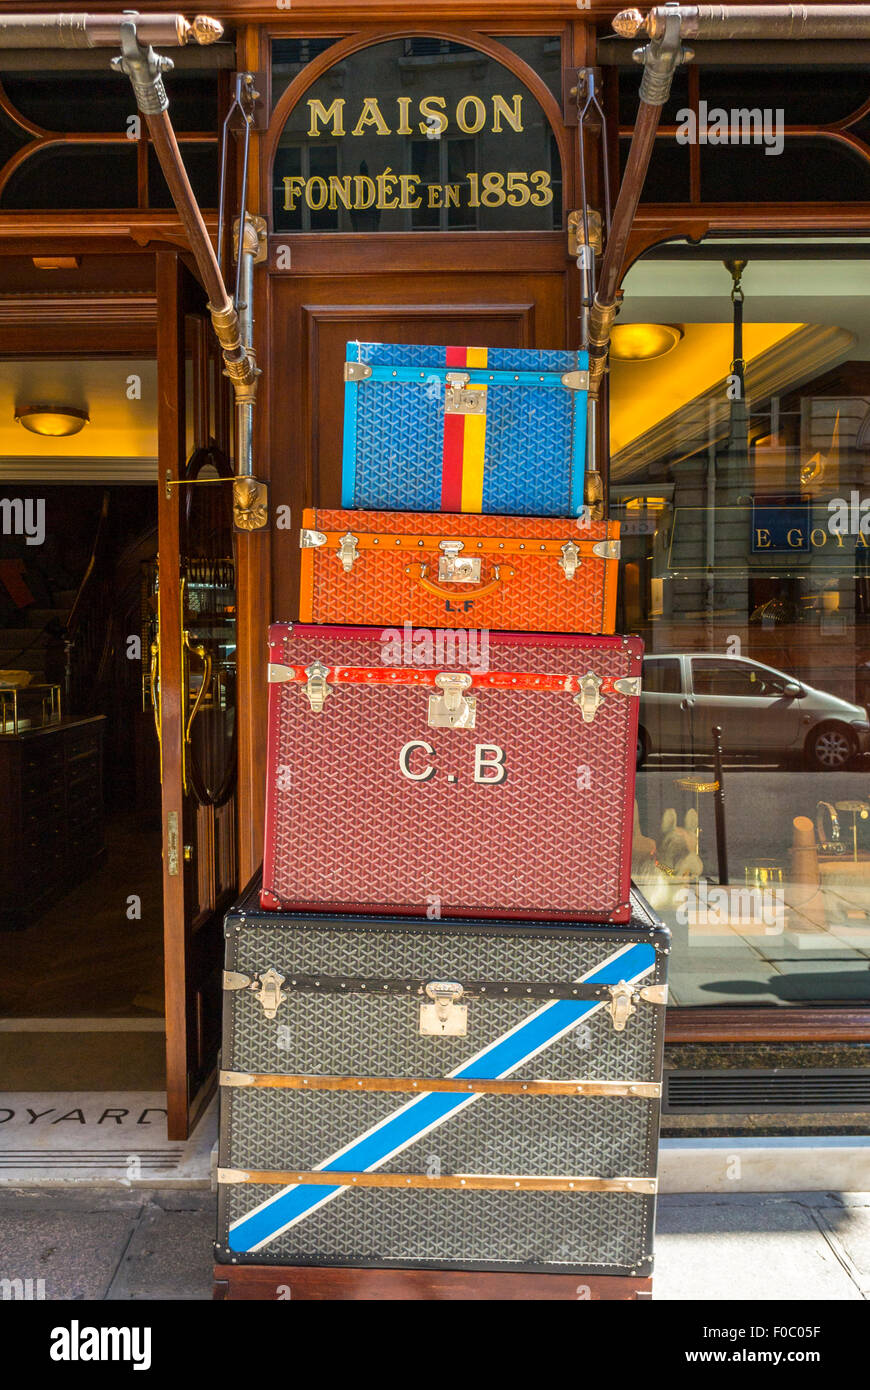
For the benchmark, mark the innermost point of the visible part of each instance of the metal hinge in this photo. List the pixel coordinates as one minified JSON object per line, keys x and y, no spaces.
{"x":455,"y":569}
{"x":575,"y":381}
{"x":266,"y":988}
{"x":445,"y":1017}
{"x":356,"y":371}
{"x":607,"y":550}
{"x":460,"y":399}
{"x":316,"y":687}
{"x":570,"y":559}
{"x":309,"y":540}
{"x":628,"y":685}
{"x":276,"y":674}
{"x":347,"y":551}
{"x":624,"y":997}
{"x":590,"y":696}
{"x":451,"y":709}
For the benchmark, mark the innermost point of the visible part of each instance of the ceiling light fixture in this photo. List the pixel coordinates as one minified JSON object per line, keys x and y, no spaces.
{"x":54,"y":421}
{"x":641,"y":342}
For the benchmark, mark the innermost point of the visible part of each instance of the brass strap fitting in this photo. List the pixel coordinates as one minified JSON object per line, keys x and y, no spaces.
{"x":225,"y":322}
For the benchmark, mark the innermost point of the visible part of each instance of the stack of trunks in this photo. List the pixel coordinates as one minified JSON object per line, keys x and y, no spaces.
{"x":444,"y":1004}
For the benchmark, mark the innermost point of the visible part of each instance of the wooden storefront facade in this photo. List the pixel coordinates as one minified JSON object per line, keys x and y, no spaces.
{"x":315,"y":290}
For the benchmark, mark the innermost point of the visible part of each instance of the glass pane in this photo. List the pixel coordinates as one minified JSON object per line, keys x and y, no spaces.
{"x":92,"y":100}
{"x":543,"y":53}
{"x":290,"y":56}
{"x":451,"y":140}
{"x":746,"y":568}
{"x":667,"y":179}
{"x":201,"y":163}
{"x":807,"y":96}
{"x":804,"y":169}
{"x":75,"y":176}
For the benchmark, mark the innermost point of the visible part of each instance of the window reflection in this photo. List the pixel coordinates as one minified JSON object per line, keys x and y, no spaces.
{"x":746,"y":530}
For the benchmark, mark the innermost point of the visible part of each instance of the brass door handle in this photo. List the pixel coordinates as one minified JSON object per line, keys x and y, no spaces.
{"x":206,"y":660}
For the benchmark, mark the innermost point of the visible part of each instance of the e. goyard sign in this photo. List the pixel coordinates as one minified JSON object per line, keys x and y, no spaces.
{"x":418,"y":134}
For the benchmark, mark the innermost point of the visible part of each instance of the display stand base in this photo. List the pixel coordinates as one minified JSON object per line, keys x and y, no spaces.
{"x":276,"y":1283}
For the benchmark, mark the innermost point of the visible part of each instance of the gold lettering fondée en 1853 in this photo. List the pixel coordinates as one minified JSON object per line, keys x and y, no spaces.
{"x":385,"y":191}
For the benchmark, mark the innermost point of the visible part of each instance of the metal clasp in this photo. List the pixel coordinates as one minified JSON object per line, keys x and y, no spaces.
{"x":316,"y":687}
{"x":590,"y":696}
{"x":607,"y":550}
{"x":347,"y":551}
{"x":570,"y":559}
{"x":621,"y":1006}
{"x":459,"y":399}
{"x":356,"y":371}
{"x":451,"y":709}
{"x":445,"y":1017}
{"x":456,"y":570}
{"x":309,"y":540}
{"x":269,"y":993}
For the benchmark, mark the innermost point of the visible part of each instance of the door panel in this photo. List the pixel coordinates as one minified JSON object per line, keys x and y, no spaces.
{"x":313,"y":319}
{"x":195,"y":692}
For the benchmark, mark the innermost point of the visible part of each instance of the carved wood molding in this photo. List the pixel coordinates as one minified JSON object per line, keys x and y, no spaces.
{"x":657,"y":223}
{"x":73,"y":311}
{"x":348,"y":253}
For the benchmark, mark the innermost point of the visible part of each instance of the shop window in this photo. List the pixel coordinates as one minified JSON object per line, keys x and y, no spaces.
{"x":451,"y":141}
{"x":749,"y":584}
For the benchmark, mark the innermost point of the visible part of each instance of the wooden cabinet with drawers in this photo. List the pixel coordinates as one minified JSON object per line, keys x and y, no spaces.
{"x":51,"y":814}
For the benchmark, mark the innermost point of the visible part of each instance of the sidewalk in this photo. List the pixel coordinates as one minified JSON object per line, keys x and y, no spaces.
{"x":100,"y":1244}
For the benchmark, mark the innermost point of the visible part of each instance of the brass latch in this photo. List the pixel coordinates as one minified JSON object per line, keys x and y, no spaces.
{"x":624,"y":997}
{"x":590,"y":696}
{"x":269,"y":992}
{"x":445,"y":1017}
{"x":456,"y":569}
{"x":451,"y":709}
{"x":460,"y":399}
{"x":356,"y":371}
{"x":266,"y":988}
{"x":316,"y":687}
{"x":570,"y":559}
{"x":347,"y":551}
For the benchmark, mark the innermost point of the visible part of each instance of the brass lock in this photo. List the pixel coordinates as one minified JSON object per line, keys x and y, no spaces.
{"x":460,"y":399}
{"x":456,"y":569}
{"x":445,"y":1017}
{"x":452,"y":709}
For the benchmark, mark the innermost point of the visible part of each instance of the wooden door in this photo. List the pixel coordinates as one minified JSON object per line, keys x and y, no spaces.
{"x":194,"y":686}
{"x":313,"y":318}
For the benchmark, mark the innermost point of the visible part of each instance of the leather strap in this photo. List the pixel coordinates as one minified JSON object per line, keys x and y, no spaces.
{"x":628,"y":1090}
{"x":471,"y":545}
{"x":497,"y":1182}
{"x":409,"y":675}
